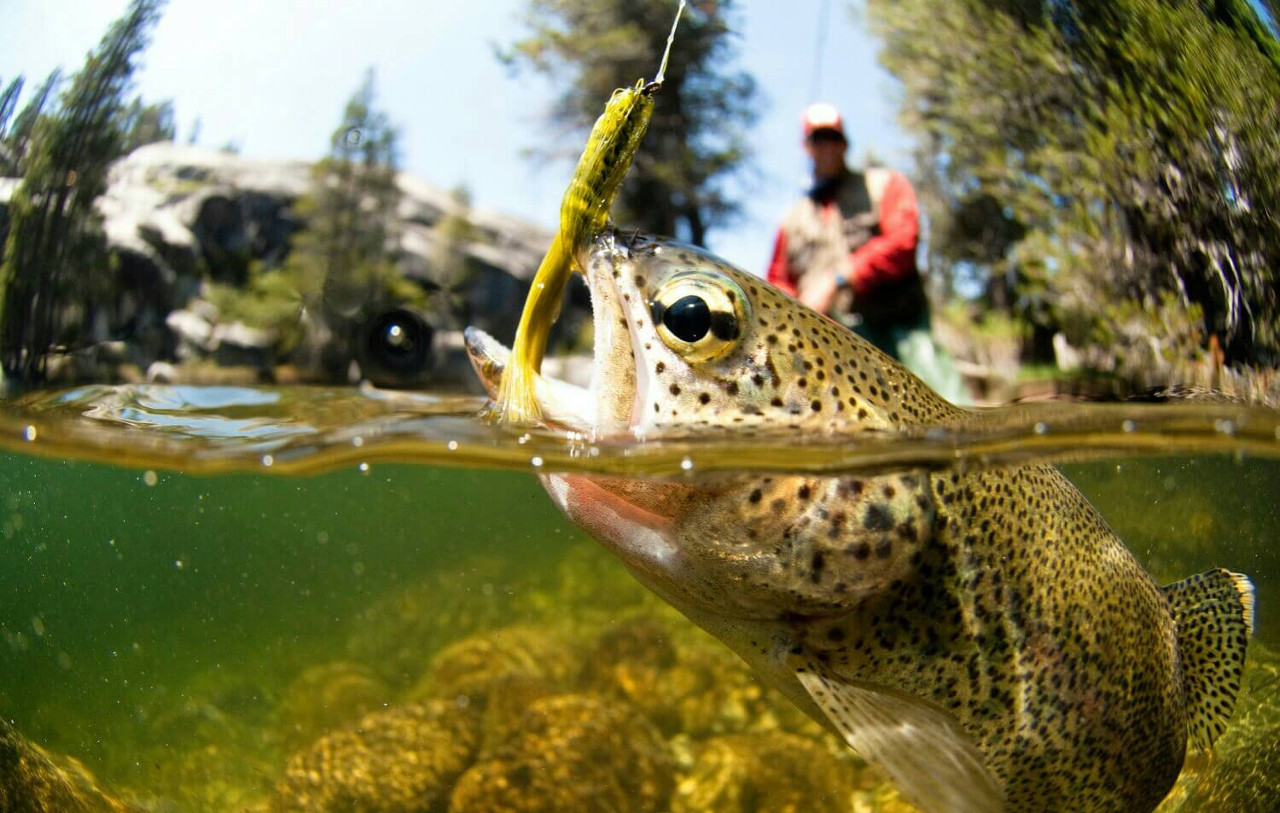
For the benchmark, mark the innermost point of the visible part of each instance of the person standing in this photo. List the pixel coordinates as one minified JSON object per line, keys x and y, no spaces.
{"x":847,"y":249}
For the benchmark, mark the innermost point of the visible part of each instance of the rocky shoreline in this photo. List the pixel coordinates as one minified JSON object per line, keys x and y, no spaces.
{"x":181,"y":218}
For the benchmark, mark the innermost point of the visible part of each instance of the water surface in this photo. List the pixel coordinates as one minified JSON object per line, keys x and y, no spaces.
{"x":202,"y":589}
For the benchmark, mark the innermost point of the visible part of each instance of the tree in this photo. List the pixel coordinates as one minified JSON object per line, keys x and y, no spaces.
{"x":15,"y":139}
{"x":350,"y":239}
{"x":1115,"y":163}
{"x":682,"y":178}
{"x":147,"y":124}
{"x":55,"y":249}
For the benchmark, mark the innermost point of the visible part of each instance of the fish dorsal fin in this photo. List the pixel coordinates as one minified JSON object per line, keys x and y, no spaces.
{"x":933,"y":763}
{"x":1213,"y":615}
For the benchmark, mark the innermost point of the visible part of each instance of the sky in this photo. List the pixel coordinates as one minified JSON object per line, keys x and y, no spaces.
{"x":273,"y":77}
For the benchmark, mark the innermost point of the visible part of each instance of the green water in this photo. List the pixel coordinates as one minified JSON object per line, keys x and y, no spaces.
{"x":256,"y":579}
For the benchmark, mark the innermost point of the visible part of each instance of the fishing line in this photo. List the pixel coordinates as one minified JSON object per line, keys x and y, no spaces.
{"x":671,"y":38}
{"x":820,"y":45}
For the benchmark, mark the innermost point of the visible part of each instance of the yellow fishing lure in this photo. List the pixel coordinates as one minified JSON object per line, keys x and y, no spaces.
{"x":584,"y":211}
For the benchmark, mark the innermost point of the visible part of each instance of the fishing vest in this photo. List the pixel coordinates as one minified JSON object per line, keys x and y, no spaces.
{"x":818,"y":246}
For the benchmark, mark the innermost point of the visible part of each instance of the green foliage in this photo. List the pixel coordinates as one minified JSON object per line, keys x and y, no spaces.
{"x":147,"y":124}
{"x":15,"y":139}
{"x":682,"y":180}
{"x":271,"y":301}
{"x":55,"y":254}
{"x":1102,"y":159}
{"x":347,"y":251}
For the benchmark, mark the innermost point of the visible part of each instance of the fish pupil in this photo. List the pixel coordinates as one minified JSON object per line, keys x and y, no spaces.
{"x":688,"y":318}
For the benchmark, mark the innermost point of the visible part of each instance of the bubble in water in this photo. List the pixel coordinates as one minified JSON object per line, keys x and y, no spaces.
{"x":29,"y":433}
{"x":536,"y":462}
{"x":1128,"y":426}
{"x":37,"y":626}
{"x":323,"y":537}
{"x":353,"y":137}
{"x":268,"y":460}
{"x":150,"y":478}
{"x":357,"y":441}
{"x":178,"y":564}
{"x":357,"y":568}
{"x":687,"y":464}
{"x":364,"y":468}
{"x":453,"y":445}
{"x":1042,"y":428}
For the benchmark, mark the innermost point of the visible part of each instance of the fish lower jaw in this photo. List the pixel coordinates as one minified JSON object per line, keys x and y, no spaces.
{"x":561,"y":403}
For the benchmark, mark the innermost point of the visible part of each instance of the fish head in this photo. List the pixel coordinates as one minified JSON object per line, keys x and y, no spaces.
{"x":686,"y":343}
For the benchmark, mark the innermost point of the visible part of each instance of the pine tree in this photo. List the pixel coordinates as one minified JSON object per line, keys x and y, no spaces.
{"x":15,"y":139}
{"x":1112,"y":165}
{"x":697,"y":144}
{"x":349,"y":243}
{"x":55,"y":249}
{"x":147,"y":124}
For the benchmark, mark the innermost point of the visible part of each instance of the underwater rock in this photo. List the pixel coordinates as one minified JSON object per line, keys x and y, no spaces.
{"x":470,"y":670}
{"x":401,"y":760}
{"x":327,"y":697}
{"x":397,"y":635}
{"x":718,"y":694}
{"x":34,"y":781}
{"x":686,"y":682}
{"x":1241,"y":772}
{"x":572,"y":752}
{"x":592,"y":585}
{"x":775,"y":772}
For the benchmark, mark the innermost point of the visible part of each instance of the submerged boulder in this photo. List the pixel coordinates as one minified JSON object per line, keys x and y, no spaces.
{"x":401,"y":760}
{"x":327,"y":697}
{"x":774,"y":771}
{"x":470,"y":670}
{"x":572,"y":752}
{"x":34,"y":781}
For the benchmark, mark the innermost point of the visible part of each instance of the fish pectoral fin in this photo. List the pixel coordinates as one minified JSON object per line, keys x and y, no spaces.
{"x":1213,"y":616}
{"x":924,"y":752}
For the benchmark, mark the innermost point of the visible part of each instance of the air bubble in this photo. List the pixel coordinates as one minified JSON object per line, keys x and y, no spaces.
{"x":453,"y":445}
{"x":29,"y":434}
{"x":357,"y":441}
{"x":1042,"y":428}
{"x":364,"y":468}
{"x":687,"y":464}
{"x":1129,"y":426}
{"x":353,"y":137}
{"x":150,"y":478}
{"x":268,"y":460}
{"x":536,"y":462}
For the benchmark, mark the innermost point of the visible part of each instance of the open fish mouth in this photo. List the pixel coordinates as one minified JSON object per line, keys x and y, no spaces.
{"x":607,"y":404}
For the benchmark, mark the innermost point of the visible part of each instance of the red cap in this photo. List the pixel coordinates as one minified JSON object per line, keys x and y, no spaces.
{"x":822,"y":116}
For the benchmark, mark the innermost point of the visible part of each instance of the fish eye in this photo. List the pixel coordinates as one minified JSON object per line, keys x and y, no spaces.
{"x":688,"y":318}
{"x":699,"y":315}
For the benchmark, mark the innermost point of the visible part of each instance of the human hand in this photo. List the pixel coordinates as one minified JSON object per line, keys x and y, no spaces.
{"x":820,"y":293}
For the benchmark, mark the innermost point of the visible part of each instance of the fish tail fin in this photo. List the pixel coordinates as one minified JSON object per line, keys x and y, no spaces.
{"x":1213,"y":616}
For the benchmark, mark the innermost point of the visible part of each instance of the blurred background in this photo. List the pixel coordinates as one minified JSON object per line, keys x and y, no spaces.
{"x":328,"y":192}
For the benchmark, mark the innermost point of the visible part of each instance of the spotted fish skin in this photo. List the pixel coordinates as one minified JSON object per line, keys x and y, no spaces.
{"x":991,"y":614}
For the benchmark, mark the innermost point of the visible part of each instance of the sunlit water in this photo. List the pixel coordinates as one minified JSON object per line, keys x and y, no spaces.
{"x":200,"y":586}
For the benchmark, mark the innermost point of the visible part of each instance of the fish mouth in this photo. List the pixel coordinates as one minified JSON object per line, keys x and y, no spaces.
{"x":608,"y":403}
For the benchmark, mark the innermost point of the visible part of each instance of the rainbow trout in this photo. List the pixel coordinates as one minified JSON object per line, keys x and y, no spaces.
{"x":981,"y":637}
